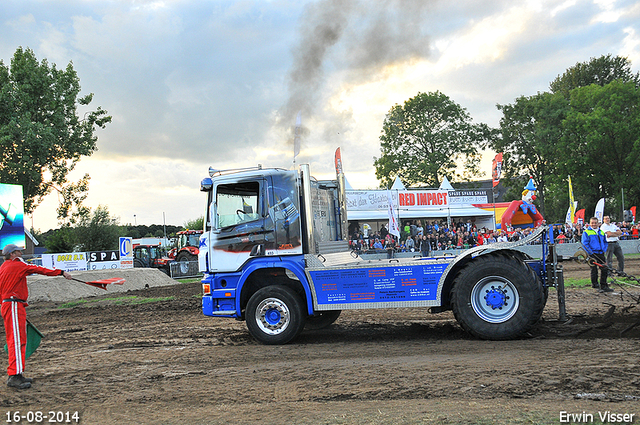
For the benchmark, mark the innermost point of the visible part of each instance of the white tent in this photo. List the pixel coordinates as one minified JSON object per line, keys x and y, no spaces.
{"x":445,"y":185}
{"x":346,"y":183}
{"x":397,"y":185}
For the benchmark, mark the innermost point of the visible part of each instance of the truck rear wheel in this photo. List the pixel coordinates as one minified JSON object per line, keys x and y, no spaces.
{"x":497,"y":297}
{"x":322,"y":319}
{"x":275,"y":315}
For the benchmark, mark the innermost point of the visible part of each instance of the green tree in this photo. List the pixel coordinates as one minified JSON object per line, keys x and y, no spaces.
{"x":531,"y":129}
{"x":41,"y":135}
{"x":600,"y":71}
{"x":97,"y":231}
{"x":576,"y":130}
{"x":60,"y":240}
{"x":602,"y":135}
{"x":426,"y":139}
{"x":70,"y":208}
{"x":195,"y":224}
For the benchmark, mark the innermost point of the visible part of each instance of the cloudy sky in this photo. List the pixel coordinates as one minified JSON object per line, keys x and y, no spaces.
{"x":193,"y":83}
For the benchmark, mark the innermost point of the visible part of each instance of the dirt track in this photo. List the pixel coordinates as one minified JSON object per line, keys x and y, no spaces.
{"x":165,"y":363}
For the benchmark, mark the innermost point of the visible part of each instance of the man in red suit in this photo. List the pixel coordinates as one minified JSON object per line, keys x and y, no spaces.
{"x":14,"y":293}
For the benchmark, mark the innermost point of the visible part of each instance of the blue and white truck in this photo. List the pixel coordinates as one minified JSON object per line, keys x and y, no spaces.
{"x":274,"y":253}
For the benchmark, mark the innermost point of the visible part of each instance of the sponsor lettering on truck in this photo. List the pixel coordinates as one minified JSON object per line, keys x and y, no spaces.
{"x":274,"y":253}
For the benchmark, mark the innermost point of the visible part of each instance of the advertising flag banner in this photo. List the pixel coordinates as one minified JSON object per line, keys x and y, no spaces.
{"x":579,"y":218}
{"x":496,"y":170}
{"x":599,"y":210}
{"x":633,"y":212}
{"x":572,"y":203}
{"x":394,"y":228}
{"x":571,"y":214}
{"x":338,"y":160}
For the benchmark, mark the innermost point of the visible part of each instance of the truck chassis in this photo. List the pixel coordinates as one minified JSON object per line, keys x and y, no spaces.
{"x":274,"y":253}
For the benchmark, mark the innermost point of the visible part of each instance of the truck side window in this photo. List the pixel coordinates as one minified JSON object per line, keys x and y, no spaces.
{"x":237,"y":203}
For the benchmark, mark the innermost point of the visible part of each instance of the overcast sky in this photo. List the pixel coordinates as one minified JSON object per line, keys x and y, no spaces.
{"x":193,"y":84}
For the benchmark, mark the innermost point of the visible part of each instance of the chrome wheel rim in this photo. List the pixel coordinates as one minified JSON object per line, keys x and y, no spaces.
{"x":272,"y":316}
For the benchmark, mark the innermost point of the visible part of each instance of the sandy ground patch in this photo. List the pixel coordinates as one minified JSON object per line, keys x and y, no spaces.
{"x":45,"y":288}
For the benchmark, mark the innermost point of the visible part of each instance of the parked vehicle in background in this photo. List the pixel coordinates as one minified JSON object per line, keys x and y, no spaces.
{"x":153,"y":256}
{"x":188,"y":246}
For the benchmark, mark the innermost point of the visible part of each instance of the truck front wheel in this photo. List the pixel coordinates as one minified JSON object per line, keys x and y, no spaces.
{"x":497,"y":297}
{"x":275,"y":315}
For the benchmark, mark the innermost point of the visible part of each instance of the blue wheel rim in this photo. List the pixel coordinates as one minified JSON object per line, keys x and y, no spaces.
{"x":495,"y":299}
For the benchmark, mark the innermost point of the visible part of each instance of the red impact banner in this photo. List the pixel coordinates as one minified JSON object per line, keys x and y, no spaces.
{"x":496,"y":170}
{"x":633,"y":212}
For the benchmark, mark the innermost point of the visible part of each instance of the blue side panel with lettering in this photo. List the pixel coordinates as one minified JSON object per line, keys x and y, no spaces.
{"x":383,"y":284}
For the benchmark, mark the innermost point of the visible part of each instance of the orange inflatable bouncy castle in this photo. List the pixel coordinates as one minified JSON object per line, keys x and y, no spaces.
{"x":518,"y":209}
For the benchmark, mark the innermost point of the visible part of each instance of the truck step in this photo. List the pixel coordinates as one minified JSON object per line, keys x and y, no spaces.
{"x":223,"y":313}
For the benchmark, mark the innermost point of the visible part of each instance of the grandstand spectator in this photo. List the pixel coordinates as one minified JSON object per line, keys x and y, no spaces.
{"x":410,"y":244}
{"x":424,"y":246}
{"x":390,"y":246}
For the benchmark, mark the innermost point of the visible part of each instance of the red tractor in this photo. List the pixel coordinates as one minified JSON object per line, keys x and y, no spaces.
{"x":188,"y":246}
{"x":151,"y":256}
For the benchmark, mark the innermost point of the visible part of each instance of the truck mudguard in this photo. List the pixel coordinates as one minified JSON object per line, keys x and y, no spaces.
{"x":483,"y":249}
{"x":295,"y":264}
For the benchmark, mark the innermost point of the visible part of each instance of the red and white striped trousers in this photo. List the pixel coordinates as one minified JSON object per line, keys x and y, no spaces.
{"x":15,"y":327}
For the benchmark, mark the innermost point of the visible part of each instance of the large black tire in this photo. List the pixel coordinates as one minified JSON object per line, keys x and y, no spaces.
{"x":186,"y":256}
{"x":497,"y":297}
{"x":138,"y":263}
{"x":322,"y":319}
{"x":185,"y":261}
{"x":275,"y":315}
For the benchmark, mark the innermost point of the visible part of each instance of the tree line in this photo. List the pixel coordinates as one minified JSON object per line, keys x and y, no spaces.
{"x":99,"y":231}
{"x":587,"y":126}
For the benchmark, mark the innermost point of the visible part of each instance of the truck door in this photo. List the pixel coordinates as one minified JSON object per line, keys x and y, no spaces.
{"x":238,"y":223}
{"x":284,"y":215}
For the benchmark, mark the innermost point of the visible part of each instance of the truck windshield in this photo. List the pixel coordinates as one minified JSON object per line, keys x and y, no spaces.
{"x":237,"y":203}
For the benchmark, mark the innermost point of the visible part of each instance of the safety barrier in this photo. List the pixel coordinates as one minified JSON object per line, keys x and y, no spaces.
{"x":631,"y":246}
{"x":184,"y":269}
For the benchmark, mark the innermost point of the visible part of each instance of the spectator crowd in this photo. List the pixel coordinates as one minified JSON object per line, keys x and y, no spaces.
{"x":424,"y":236}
